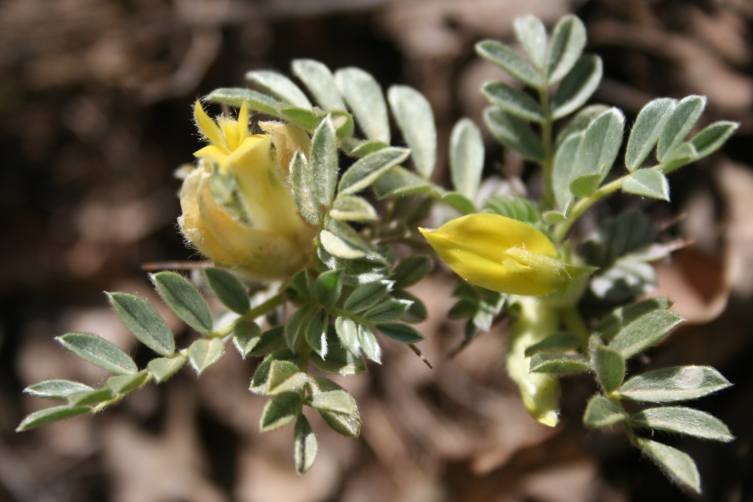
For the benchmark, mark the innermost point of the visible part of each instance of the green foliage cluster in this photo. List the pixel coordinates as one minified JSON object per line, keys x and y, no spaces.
{"x":354,"y":286}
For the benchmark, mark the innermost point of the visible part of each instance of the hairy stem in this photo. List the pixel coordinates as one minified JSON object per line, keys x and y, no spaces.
{"x":582,"y":205}
{"x":251,"y":315}
{"x":546,"y":138}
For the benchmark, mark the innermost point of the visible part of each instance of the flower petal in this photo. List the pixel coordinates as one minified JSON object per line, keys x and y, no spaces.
{"x":500,"y":254}
{"x":207,"y":126}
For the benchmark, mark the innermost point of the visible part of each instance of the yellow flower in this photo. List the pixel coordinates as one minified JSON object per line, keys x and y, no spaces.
{"x":272,"y":241}
{"x":499,"y":253}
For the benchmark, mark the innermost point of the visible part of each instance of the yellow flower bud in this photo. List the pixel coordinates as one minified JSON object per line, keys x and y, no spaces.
{"x":499,"y":253}
{"x":271,"y":241}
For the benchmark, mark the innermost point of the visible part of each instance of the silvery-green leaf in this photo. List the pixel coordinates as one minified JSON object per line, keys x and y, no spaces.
{"x":261,"y":375}
{"x":400,"y":332}
{"x":184,"y":299}
{"x":459,"y":202}
{"x":344,"y":124}
{"x":122,"y":384}
{"x":601,"y":412}
{"x":99,"y":352}
{"x":531,"y":34}
{"x":227,"y":289}
{"x":507,"y":59}
{"x":143,"y":321}
{"x":369,"y":344}
{"x":554,"y":362}
{"x":513,"y":101}
{"x":328,"y":287}
{"x":416,"y":312}
{"x":600,"y":145}
{"x":678,"y":466}
{"x":682,"y":121}
{"x":368,"y":169}
{"x":568,"y":40}
{"x":677,"y":383}
{"x":398,"y":182}
{"x":339,"y":247}
{"x":607,"y":363}
{"x":517,"y":208}
{"x":203,"y":353}
{"x":416,"y":121}
{"x":305,"y":445}
{"x":466,"y":157}
{"x":681,"y":155}
{"x":558,"y":342}
{"x":712,"y":137}
{"x":615,"y":238}
{"x":302,"y":181}
{"x":651,"y":121}
{"x":285,"y":376}
{"x":360,"y":148}
{"x":585,"y":185}
{"x":337,"y":401}
{"x":339,"y":359}
{"x":48,"y":415}
{"x":647,"y":183}
{"x":316,"y":333}
{"x":579,"y":123}
{"x":163,"y":368}
{"x":564,"y":168}
{"x":389,"y":311}
{"x":235,"y":97}
{"x":324,"y":161}
{"x":625,"y":279}
{"x":295,"y":328}
{"x":246,"y":336}
{"x":301,"y":285}
{"x":364,"y":98}
{"x":271,"y":341}
{"x":280,"y":411}
{"x":366,"y":296}
{"x":279,"y":86}
{"x":682,"y":420}
{"x":644,"y":332}
{"x":554,"y":217}
{"x":90,"y":397}
{"x":577,"y":86}
{"x":347,"y":332}
{"x":343,"y":423}
{"x":320,"y":83}
{"x":304,"y":118}
{"x":411,"y":270}
{"x":352,"y":208}
{"x":514,"y":134}
{"x":56,"y":389}
{"x":349,"y":236}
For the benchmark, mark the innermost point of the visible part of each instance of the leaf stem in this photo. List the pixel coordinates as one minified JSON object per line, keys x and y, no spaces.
{"x":582,"y":205}
{"x":251,"y":315}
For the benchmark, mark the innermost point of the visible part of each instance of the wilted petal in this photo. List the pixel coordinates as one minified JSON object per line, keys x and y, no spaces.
{"x":287,"y":140}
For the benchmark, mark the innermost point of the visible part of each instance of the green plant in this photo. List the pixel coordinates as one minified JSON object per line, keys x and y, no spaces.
{"x":285,"y":220}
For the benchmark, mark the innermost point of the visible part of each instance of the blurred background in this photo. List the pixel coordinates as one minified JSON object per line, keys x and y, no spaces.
{"x":95,"y":116}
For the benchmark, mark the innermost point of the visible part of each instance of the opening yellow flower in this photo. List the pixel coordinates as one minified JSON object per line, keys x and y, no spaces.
{"x":499,"y":253}
{"x":271,"y":241}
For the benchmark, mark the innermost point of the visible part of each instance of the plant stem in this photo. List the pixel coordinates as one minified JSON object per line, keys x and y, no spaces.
{"x":252,"y":314}
{"x":575,"y":324}
{"x":582,"y":205}
{"x":546,"y":139}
